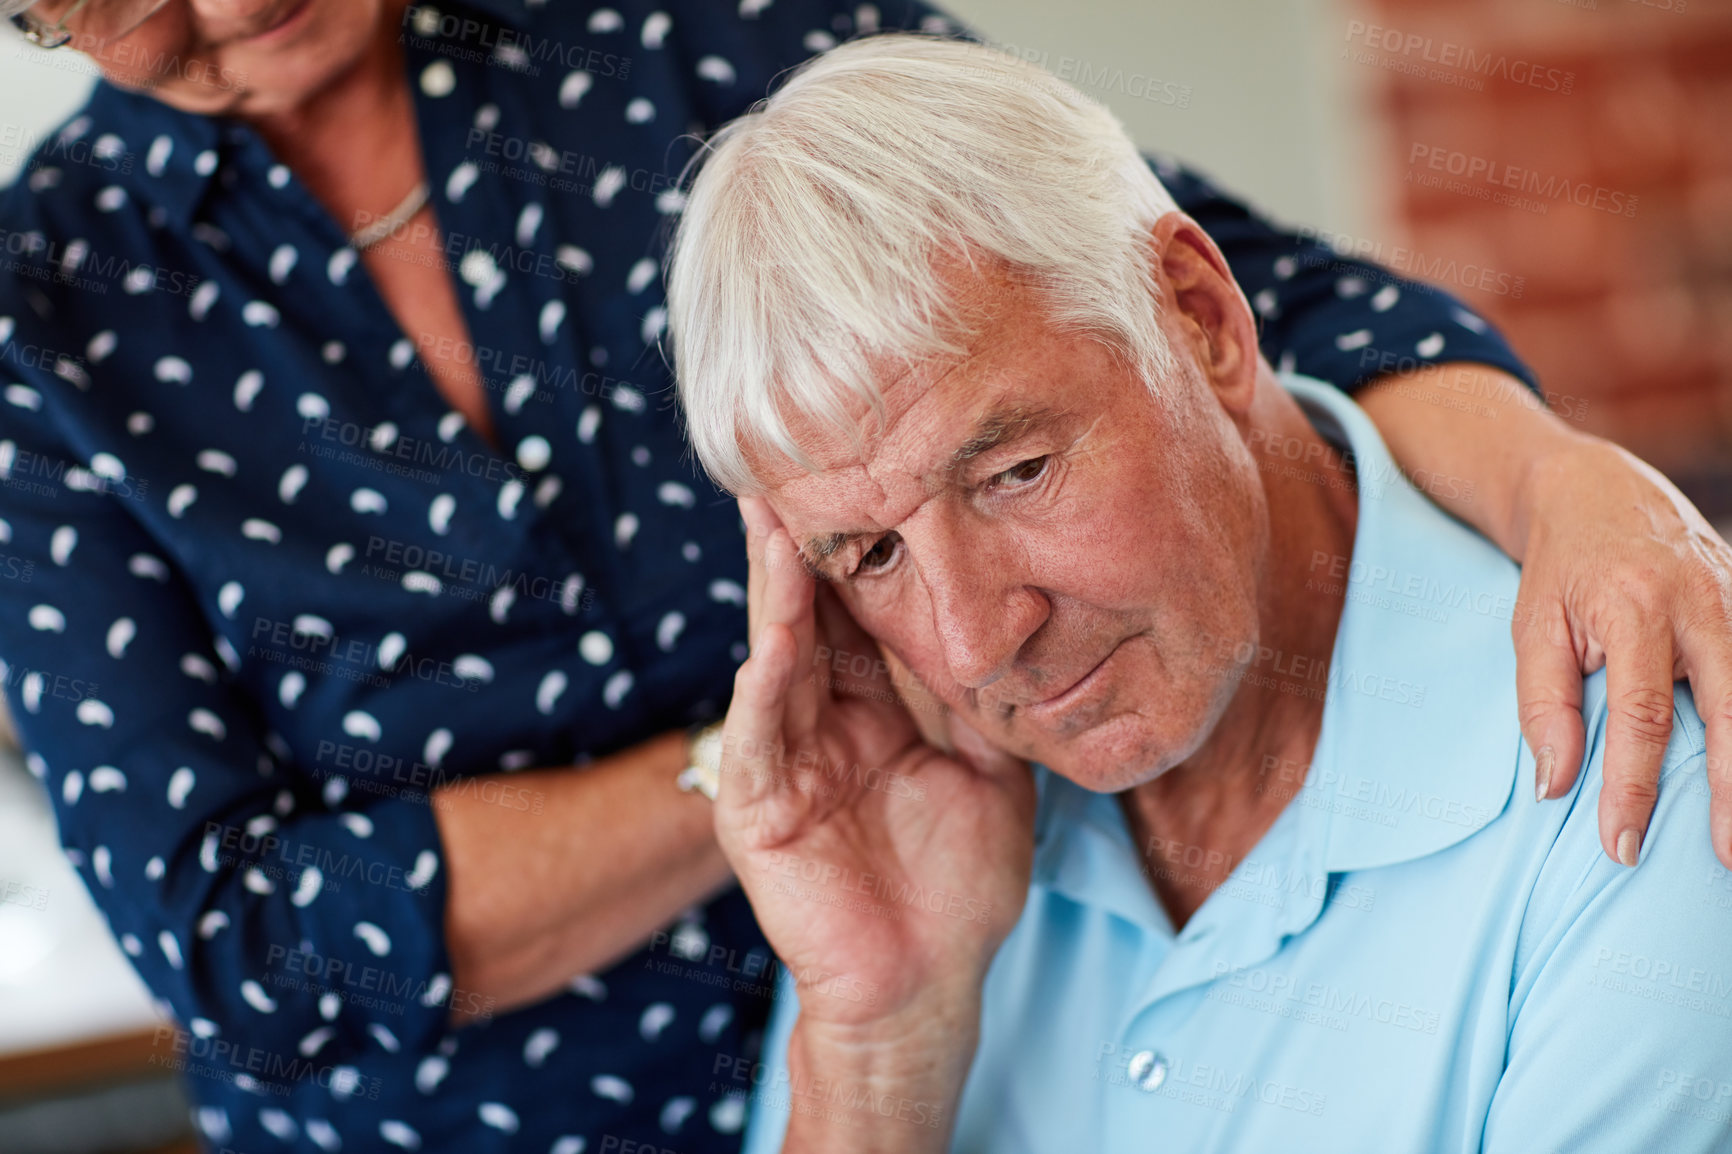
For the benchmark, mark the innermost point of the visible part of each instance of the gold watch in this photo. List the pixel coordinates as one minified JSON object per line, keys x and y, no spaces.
{"x":703,"y":771}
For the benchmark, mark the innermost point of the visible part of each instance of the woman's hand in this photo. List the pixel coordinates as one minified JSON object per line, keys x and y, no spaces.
{"x":1621,"y":571}
{"x":883,"y":870}
{"x":1618,"y":570}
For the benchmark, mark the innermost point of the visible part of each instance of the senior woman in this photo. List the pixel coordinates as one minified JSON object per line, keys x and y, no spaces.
{"x":362,"y":588}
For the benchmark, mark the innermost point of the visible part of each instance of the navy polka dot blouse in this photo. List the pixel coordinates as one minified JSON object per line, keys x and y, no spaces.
{"x":261,"y":589}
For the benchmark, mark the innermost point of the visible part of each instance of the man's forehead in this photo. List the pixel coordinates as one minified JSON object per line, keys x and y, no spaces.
{"x":938,"y":414}
{"x":920,"y":457}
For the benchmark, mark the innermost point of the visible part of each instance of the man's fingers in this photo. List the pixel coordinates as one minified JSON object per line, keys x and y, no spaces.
{"x":1639,"y":724}
{"x":1549,"y":696}
{"x":760,"y":521}
{"x":752,"y":734}
{"x":788,"y":592}
{"x":847,"y":660}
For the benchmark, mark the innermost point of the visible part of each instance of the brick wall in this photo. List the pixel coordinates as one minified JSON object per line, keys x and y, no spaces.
{"x":1566,"y":167}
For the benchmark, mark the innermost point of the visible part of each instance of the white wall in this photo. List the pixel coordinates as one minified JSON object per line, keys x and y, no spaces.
{"x":1271,"y":114}
{"x":1268,"y":114}
{"x":38,"y":90}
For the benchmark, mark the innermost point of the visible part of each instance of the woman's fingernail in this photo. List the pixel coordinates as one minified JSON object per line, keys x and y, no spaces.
{"x":1543,"y":772}
{"x":1629,"y":846}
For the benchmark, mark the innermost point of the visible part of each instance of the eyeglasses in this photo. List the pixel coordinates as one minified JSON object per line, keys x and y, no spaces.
{"x":53,"y":23}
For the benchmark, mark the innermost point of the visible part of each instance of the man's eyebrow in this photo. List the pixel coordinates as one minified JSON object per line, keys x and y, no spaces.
{"x":995,"y":428}
{"x":998,"y":427}
{"x":817,"y":550}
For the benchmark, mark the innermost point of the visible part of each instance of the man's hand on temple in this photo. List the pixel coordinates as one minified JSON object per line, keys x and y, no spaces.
{"x":884,"y":872}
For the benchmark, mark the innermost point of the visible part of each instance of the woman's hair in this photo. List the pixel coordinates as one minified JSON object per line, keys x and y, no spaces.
{"x":815,"y":236}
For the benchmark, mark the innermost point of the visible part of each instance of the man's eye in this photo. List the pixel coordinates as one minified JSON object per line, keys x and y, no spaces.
{"x":1021,"y":473}
{"x":879,"y":555}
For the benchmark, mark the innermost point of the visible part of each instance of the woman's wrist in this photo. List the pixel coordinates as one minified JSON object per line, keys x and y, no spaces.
{"x":1478,"y":442}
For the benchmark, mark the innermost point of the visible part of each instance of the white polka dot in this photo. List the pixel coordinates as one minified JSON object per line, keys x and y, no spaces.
{"x":462,"y":177}
{"x":517,"y":393}
{"x":400,"y":1134}
{"x":439,"y":513}
{"x":120,"y":635}
{"x":608,"y":184}
{"x":510,"y":494}
{"x":539,"y":1045}
{"x":715,"y":69}
{"x":573,"y":88}
{"x":361,"y":724}
{"x":547,"y":694}
{"x":614,"y":691}
{"x":596,"y":647}
{"x":180,"y":785}
{"x":438,"y":79}
{"x":283,"y":260}
{"x":676,"y":1111}
{"x":729,"y":1114}
{"x":668,"y":631}
{"x":655,"y":1018}
{"x":290,"y":688}
{"x":533,"y":453}
{"x":374,"y":938}
{"x":612,"y":1087}
{"x":365,"y":500}
{"x":173,"y":370}
{"x":101,"y":346}
{"x":431,"y":1071}
{"x":499,"y":1116}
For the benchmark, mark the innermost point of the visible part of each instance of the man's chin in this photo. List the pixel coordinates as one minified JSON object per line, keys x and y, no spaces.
{"x":1108,"y":758}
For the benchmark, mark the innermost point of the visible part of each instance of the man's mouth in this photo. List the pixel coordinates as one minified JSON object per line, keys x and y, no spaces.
{"x":1054,"y":707}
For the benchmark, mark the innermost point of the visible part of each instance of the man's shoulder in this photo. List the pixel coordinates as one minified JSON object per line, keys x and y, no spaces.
{"x":1677,"y":868}
{"x":1687,"y":747}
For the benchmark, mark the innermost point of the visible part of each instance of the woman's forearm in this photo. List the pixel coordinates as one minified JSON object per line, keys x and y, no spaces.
{"x":616,"y":853}
{"x":1471,"y":437}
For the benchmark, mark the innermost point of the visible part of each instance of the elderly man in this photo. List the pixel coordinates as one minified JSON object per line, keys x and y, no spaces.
{"x":1273,"y":885}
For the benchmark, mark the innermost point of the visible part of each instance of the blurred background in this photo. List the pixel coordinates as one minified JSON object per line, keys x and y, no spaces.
{"x":1563,"y":166}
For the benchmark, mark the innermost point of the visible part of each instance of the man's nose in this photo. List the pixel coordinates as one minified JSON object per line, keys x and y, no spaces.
{"x":983,"y":607}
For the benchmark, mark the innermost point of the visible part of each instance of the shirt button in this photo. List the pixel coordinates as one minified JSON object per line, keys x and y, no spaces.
{"x":1147,"y":1070}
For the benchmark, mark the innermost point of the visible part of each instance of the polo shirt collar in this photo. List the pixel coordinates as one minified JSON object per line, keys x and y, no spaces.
{"x":1421,"y":738}
{"x":1420,"y":741}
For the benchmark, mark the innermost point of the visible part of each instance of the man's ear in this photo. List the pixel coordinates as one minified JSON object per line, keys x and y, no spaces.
{"x":1206,"y":308}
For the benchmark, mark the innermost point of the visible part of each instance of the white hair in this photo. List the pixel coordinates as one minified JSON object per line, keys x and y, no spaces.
{"x":810,"y":241}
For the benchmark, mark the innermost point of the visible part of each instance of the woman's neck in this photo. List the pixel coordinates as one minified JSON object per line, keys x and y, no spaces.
{"x":354,"y":142}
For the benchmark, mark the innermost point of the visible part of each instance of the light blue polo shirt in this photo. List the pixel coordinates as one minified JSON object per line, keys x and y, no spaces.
{"x":1417,"y":956}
